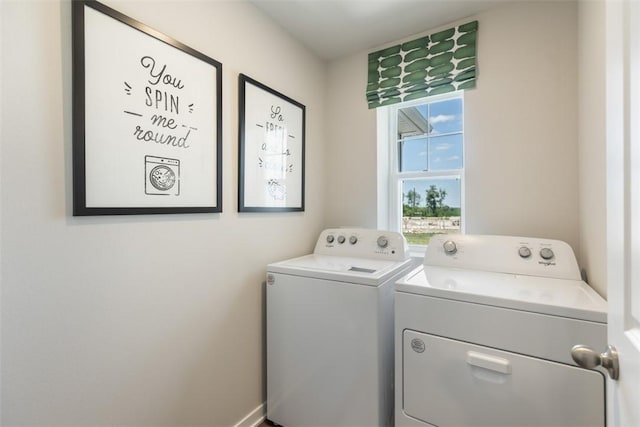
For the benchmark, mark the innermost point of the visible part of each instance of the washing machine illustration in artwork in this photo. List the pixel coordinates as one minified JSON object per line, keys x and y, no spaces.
{"x":162,"y":176}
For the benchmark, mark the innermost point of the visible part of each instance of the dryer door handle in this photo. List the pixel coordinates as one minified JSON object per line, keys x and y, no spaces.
{"x":487,"y":361}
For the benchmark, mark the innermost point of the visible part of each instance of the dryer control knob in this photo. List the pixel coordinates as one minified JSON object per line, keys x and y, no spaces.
{"x":383,"y":242}
{"x":353,"y":240}
{"x":341,"y":239}
{"x":450,"y":247}
{"x":330,"y":238}
{"x":524,"y":252}
{"x":546,"y":253}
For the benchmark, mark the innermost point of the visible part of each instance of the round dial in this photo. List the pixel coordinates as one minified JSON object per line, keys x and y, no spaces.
{"x":546,"y":253}
{"x":330,"y":238}
{"x":450,"y":247}
{"x":341,"y":239}
{"x":353,"y":240}
{"x":383,"y":242}
{"x":524,"y":252}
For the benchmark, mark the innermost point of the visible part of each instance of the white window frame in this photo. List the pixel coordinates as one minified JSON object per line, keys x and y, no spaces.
{"x":390,"y":179}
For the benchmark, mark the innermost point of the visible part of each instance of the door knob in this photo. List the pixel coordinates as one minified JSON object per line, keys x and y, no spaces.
{"x":588,"y":358}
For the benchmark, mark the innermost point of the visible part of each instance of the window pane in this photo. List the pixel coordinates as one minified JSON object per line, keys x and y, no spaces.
{"x":445,"y":152}
{"x":412,"y":121}
{"x":413,"y":155}
{"x":430,"y":206}
{"x":446,"y":116}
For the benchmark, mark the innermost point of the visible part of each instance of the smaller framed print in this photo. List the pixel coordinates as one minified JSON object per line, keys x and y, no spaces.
{"x":271,"y":149}
{"x":147,"y":114}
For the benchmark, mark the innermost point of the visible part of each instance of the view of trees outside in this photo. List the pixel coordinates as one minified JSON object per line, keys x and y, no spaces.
{"x":426,"y":210}
{"x":430,"y":154}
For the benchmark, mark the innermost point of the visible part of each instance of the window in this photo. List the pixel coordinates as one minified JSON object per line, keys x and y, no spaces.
{"x":424,"y":145}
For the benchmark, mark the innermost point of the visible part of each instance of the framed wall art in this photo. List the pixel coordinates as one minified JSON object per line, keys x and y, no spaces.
{"x":271,"y":149}
{"x":147,"y":116}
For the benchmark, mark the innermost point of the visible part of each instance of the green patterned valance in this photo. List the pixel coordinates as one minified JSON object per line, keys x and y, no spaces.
{"x":438,"y":63}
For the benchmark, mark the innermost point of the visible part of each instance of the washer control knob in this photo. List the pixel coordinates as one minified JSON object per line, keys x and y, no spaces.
{"x":353,"y":240}
{"x":383,"y":242}
{"x":450,"y":247}
{"x":524,"y":252}
{"x":330,"y":238}
{"x":546,"y":253}
{"x":341,"y":239}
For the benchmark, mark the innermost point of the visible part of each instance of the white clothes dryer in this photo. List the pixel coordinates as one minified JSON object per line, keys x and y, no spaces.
{"x":330,"y":330}
{"x":484,"y":331}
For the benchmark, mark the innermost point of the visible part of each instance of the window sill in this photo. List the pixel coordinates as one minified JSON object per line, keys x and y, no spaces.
{"x":417,"y":252}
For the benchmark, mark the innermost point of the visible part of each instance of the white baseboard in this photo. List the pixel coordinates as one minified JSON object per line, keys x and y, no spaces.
{"x":255,"y":417}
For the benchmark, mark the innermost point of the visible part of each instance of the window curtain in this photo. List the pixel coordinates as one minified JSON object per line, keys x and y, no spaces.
{"x":434,"y":64}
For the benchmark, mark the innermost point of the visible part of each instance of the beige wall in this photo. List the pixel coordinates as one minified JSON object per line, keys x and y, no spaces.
{"x":350,"y":146}
{"x":521,"y":128}
{"x":158,"y":320}
{"x":592,"y":130}
{"x":138,"y":320}
{"x":521,"y":137}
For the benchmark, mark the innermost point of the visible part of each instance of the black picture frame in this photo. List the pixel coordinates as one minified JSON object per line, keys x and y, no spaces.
{"x":271,"y":147}
{"x":147,"y":119}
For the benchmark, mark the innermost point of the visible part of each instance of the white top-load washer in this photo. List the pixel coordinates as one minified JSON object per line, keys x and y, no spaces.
{"x":484,"y":331}
{"x":330,"y":330}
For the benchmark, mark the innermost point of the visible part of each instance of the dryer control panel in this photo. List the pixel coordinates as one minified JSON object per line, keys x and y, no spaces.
{"x":362,"y":243}
{"x":504,"y":254}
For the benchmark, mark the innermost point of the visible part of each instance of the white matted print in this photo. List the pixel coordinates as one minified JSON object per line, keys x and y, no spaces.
{"x":147,"y":117}
{"x":271,"y":147}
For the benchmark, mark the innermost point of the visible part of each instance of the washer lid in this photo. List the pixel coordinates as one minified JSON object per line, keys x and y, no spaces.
{"x":343,"y":269}
{"x":558,"y":297}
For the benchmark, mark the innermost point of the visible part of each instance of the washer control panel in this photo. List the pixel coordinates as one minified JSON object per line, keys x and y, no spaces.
{"x":504,"y":254}
{"x":362,"y":243}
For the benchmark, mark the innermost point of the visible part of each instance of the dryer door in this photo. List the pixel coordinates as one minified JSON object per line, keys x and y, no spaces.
{"x":452,"y":383}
